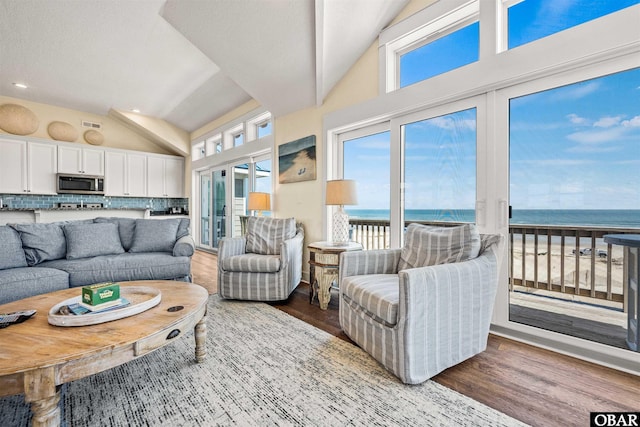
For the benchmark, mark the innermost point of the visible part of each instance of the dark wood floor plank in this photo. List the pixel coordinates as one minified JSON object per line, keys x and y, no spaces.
{"x":531,"y":384}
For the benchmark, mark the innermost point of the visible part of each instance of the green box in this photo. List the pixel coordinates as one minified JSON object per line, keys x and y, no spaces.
{"x":100,"y":293}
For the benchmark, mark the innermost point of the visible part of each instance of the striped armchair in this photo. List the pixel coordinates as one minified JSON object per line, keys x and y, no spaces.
{"x":263,"y":265}
{"x":420,"y":321}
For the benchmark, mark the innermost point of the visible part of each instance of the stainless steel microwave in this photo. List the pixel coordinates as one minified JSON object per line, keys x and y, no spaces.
{"x":80,"y":184}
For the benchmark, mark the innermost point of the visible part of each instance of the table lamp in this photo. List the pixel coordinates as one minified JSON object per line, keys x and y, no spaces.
{"x":259,"y":202}
{"x":341,"y":192}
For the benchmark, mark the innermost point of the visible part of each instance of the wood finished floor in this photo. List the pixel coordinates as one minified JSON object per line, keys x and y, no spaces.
{"x":533,"y":385}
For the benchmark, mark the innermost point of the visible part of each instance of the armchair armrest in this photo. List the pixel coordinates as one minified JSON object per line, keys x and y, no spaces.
{"x":448,"y":307}
{"x":381,"y":261}
{"x":291,"y":249}
{"x":184,"y":246}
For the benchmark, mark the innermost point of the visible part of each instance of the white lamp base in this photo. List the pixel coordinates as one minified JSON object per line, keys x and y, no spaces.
{"x":340,"y":232}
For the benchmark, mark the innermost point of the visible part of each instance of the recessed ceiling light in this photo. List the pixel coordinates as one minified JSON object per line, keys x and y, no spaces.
{"x":135,"y":110}
{"x":20,"y":85}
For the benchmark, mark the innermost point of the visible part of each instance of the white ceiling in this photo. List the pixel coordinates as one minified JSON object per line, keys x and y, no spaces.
{"x":186,"y":61}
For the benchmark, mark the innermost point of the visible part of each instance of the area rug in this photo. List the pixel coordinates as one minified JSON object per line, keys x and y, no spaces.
{"x":263,"y":368}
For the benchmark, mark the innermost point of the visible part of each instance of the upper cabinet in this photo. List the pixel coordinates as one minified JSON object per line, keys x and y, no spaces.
{"x":27,"y":167}
{"x":80,"y":160}
{"x":125,"y":174}
{"x":31,"y":167}
{"x":165,"y":176}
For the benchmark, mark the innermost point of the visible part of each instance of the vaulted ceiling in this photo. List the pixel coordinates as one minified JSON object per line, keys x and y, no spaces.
{"x":184,"y":61}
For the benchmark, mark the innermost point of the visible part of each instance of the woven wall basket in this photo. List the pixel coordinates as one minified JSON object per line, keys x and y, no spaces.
{"x":18,"y":120}
{"x":93,"y":137}
{"x":62,"y":131}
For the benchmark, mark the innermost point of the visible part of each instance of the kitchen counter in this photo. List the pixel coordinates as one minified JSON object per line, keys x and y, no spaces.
{"x":30,"y":215}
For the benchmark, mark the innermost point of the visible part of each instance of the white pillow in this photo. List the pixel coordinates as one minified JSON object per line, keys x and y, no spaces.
{"x":426,"y":245}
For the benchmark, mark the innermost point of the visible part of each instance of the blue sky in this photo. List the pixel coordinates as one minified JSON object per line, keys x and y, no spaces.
{"x":577,"y":147}
{"x":574,"y":147}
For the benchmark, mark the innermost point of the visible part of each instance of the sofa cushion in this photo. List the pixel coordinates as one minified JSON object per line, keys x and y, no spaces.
{"x":265,"y":235}
{"x":427,"y":245}
{"x":11,"y":253}
{"x":93,"y":239}
{"x":155,"y":235}
{"x":24,"y":282}
{"x":377,"y":295}
{"x":251,"y":263}
{"x":123,"y":267}
{"x":42,"y":241}
{"x":126,"y":228}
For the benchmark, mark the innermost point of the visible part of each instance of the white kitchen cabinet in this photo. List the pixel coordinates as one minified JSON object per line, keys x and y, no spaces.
{"x":27,"y":167}
{"x":42,"y":160}
{"x":165,"y":176}
{"x":125,"y":174}
{"x":81,"y":160}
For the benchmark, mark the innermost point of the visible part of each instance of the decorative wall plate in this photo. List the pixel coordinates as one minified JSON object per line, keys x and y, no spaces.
{"x":94,"y":137}
{"x":62,"y":131}
{"x":18,"y":120}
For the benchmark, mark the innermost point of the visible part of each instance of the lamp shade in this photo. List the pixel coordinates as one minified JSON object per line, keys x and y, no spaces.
{"x":341,"y":192}
{"x":259,"y":202}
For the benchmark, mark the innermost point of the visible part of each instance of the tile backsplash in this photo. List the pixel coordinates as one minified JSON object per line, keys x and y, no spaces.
{"x":32,"y":201}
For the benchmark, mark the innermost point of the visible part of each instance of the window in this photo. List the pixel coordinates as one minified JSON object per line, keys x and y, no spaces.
{"x":259,"y":126}
{"x":198,"y":150}
{"x":366,"y":160}
{"x":530,"y":20}
{"x":264,"y":129}
{"x":440,"y":168}
{"x":438,"y":39}
{"x":574,"y":157}
{"x":238,"y":139}
{"x":440,"y":55}
{"x":214,"y":145}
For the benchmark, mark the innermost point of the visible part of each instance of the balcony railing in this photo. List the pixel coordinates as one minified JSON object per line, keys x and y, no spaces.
{"x":570,"y":260}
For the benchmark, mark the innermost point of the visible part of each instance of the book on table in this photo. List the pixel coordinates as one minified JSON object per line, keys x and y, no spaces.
{"x":80,"y":308}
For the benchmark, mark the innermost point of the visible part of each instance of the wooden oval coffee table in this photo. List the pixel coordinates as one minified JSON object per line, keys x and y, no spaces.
{"x":36,"y":357}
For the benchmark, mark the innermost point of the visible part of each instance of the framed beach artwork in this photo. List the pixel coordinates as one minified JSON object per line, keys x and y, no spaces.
{"x":297,"y":160}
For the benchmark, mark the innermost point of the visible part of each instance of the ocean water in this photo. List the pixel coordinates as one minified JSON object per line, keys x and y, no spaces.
{"x":625,"y":218}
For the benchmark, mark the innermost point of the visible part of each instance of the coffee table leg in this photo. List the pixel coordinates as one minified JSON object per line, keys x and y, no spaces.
{"x":201,"y":339}
{"x":43,"y":395}
{"x":46,"y":412}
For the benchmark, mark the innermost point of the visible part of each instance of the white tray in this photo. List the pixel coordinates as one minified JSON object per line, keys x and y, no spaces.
{"x":141,"y":298}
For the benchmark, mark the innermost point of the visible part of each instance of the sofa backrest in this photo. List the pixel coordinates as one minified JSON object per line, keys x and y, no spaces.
{"x":35,"y":243}
{"x":11,"y":253}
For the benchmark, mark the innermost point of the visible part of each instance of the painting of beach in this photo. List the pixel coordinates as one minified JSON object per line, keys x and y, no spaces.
{"x":297,"y":160}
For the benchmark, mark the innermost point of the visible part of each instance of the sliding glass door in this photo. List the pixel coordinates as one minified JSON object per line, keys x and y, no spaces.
{"x":573,"y":159}
{"x":224,"y":192}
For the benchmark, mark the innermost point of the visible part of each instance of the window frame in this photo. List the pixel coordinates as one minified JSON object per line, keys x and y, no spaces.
{"x":426,"y":26}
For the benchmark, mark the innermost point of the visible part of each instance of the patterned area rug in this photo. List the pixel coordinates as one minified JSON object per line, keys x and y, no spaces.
{"x":263,"y":368}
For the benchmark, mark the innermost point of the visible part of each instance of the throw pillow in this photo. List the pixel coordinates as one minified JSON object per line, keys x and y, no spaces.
{"x":41,"y":242}
{"x":155,"y":235}
{"x":183,"y":228}
{"x":265,"y":235}
{"x":126,"y":228}
{"x":427,"y":245}
{"x":89,"y":240}
{"x":11,"y":253}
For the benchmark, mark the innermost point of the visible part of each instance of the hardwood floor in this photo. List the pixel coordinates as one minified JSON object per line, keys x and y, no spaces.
{"x":533,"y":385}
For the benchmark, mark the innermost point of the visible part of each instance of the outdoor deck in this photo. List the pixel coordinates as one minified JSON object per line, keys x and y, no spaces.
{"x":562,"y":278}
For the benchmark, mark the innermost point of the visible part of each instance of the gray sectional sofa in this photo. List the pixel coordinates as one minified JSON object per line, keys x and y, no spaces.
{"x":45,"y":257}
